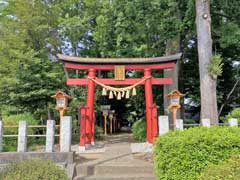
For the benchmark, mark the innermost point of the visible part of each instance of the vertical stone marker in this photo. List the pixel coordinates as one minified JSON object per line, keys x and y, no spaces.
{"x":179,"y":124}
{"x":50,"y":135}
{"x":1,"y":136}
{"x":66,"y":134}
{"x":233,"y":122}
{"x":206,"y":122}
{"x":163,"y":124}
{"x":22,"y":136}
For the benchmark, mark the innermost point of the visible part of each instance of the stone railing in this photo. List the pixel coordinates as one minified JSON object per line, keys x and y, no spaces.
{"x":164,"y":125}
{"x":22,"y":136}
{"x":64,"y":158}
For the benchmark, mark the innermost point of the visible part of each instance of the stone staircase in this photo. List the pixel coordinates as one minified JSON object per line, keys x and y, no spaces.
{"x":116,"y":163}
{"x":114,"y":172}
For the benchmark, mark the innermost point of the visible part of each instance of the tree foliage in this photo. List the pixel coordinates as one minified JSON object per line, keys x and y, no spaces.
{"x":32,"y":32}
{"x":28,"y":37}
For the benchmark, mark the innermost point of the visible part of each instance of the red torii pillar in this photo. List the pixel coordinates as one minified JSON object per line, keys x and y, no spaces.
{"x":82,"y":138}
{"x":149,"y":104}
{"x":90,"y":110}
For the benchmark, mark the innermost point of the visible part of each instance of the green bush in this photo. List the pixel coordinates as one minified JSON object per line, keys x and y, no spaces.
{"x":189,"y":121}
{"x":10,"y":143}
{"x":228,"y":170}
{"x":235,"y":113}
{"x":182,"y":155}
{"x":98,"y":132}
{"x":139,"y":130}
{"x":33,"y":170}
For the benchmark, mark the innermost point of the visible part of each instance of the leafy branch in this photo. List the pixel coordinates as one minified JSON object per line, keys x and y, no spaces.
{"x":215,"y":68}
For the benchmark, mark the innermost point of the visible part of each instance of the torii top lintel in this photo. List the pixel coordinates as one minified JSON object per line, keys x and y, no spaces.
{"x":164,"y":62}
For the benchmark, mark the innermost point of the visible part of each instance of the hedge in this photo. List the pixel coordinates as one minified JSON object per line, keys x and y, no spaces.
{"x":183,"y":155}
{"x":227,"y":170}
{"x":33,"y":170}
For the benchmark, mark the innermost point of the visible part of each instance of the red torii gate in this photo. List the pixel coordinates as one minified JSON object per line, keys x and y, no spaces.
{"x":94,"y":64}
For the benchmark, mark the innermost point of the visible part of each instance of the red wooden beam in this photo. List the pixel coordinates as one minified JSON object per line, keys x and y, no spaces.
{"x":127,"y":67}
{"x":129,"y":81}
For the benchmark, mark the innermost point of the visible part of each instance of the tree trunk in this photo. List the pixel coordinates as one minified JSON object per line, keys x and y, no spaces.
{"x":172,"y":47}
{"x":207,"y":83}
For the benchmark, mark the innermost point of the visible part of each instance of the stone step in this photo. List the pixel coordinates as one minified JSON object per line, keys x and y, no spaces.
{"x":117,"y":177}
{"x":113,"y":169}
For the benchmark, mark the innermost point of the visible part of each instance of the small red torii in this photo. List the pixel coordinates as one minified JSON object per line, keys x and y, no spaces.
{"x":94,"y":64}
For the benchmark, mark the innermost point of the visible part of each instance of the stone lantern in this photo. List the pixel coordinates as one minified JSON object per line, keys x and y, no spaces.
{"x":61,"y":105}
{"x":61,"y":101}
{"x":174,"y":103}
{"x":111,"y":113}
{"x":105,"y":110}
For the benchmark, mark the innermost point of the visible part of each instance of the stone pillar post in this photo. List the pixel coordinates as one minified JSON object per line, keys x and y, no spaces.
{"x":1,"y":136}
{"x":66,"y":134}
{"x":233,"y":122}
{"x":179,"y":124}
{"x":163,"y":125}
{"x":22,"y":136}
{"x":206,"y":122}
{"x":50,"y":136}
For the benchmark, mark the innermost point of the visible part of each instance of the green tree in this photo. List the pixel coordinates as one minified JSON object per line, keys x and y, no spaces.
{"x":27,"y":44}
{"x":29,"y":39}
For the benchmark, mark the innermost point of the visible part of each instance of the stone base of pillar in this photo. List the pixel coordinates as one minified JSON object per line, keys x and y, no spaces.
{"x":206,"y":122}
{"x":179,"y":124}
{"x":142,"y":147}
{"x":233,"y":122}
{"x":88,"y":146}
{"x":163,"y":125}
{"x":81,"y":149}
